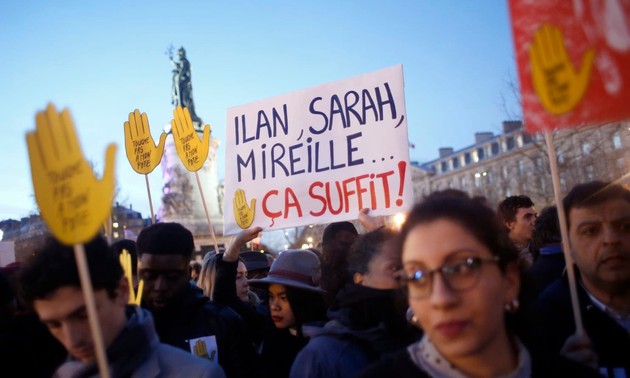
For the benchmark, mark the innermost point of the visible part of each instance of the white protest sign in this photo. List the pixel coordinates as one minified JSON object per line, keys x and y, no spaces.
{"x":319,"y":155}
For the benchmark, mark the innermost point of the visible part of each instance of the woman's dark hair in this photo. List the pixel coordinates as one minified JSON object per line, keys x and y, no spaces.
{"x":472,"y":214}
{"x":366,"y":247}
{"x":307,"y":306}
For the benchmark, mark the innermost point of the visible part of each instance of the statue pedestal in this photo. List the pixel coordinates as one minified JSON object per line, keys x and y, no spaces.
{"x":181,"y":200}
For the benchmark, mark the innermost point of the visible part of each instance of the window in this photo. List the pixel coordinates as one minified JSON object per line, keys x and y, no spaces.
{"x":560,"y":156}
{"x":495,"y":148}
{"x":616,"y":140}
{"x":467,"y":158}
{"x":539,"y":162}
{"x":586,"y":147}
{"x":480,"y":153}
{"x":509,"y":143}
{"x":590,"y":172}
{"x":506,"y":171}
{"x":455,"y":161}
{"x":521,"y":167}
{"x":527,"y":139}
{"x":444,"y":166}
{"x":463,"y":182}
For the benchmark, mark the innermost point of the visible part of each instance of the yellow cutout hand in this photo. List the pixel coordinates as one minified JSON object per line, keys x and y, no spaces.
{"x":142,"y":152}
{"x":243,"y":214}
{"x":192,"y":151}
{"x":202,"y":351}
{"x":125,"y":262}
{"x":559,"y":86}
{"x":72,"y":201}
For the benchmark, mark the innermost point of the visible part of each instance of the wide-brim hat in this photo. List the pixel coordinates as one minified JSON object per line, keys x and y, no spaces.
{"x":294,"y":268}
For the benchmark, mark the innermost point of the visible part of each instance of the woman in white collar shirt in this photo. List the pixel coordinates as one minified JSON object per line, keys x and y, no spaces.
{"x":463,"y":282}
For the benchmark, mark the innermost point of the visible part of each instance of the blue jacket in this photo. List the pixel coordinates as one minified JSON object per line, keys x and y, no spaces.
{"x":138,"y":353}
{"x":367,"y":325}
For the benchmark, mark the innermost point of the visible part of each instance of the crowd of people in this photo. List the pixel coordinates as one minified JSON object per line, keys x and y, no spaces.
{"x":463,"y":289}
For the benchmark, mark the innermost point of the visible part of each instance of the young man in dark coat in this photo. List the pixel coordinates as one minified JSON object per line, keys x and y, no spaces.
{"x":50,"y":283}
{"x":184,"y":317}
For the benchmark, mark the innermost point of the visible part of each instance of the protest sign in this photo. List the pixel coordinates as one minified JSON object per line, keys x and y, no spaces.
{"x":142,"y":153}
{"x":319,"y":155}
{"x":73,"y":203}
{"x":573,"y":60}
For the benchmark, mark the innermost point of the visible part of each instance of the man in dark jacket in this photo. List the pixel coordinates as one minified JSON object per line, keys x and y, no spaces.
{"x":50,"y":283}
{"x":598,"y":216}
{"x":184,"y":317}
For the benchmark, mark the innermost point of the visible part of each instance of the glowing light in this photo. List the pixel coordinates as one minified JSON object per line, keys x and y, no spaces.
{"x":305,"y":246}
{"x":477,"y":175}
{"x":1,"y":234}
{"x":309,"y":239}
{"x":399,"y":219}
{"x":115,"y":224}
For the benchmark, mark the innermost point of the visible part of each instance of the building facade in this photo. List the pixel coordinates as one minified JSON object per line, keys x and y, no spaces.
{"x":515,"y":162}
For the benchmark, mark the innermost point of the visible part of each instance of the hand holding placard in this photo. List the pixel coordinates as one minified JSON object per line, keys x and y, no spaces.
{"x":243,"y":214}
{"x":559,"y":86}
{"x":192,"y":151}
{"x":72,"y":201}
{"x":142,"y":152}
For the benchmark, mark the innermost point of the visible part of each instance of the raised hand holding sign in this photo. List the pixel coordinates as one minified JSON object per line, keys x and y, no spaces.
{"x":72,"y":201}
{"x":192,"y":151}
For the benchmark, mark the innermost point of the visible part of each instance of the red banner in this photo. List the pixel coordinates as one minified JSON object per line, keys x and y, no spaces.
{"x":573,"y":60}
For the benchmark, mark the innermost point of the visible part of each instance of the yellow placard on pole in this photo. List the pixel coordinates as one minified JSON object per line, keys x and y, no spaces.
{"x":141,"y":150}
{"x":192,"y":151}
{"x":72,"y":201}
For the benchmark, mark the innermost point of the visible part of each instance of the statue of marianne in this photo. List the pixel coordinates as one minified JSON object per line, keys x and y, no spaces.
{"x":182,"y":84}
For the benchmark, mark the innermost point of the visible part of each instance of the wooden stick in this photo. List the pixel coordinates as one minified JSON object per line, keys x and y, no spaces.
{"x":205,"y":208}
{"x":555,"y":178}
{"x":88,"y":295}
{"x":146,"y":178}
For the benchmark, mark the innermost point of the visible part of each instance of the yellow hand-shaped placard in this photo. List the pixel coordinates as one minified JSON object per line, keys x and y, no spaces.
{"x":192,"y":151}
{"x":559,"y":86}
{"x":142,"y":152}
{"x":201,"y":350}
{"x":72,"y":201}
{"x":125,"y":262}
{"x":243,"y":214}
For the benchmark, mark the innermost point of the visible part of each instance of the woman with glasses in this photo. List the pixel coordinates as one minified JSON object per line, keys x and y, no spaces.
{"x":462,"y":279}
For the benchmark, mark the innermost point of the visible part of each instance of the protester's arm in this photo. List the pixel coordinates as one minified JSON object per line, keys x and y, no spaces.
{"x":238,"y":241}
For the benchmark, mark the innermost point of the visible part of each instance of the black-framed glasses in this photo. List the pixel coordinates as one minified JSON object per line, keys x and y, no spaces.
{"x":460,"y":272}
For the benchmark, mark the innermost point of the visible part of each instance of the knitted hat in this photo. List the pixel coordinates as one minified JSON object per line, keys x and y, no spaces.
{"x":295,"y":268}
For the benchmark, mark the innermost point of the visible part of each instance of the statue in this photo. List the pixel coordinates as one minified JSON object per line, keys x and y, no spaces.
{"x":182,"y":84}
